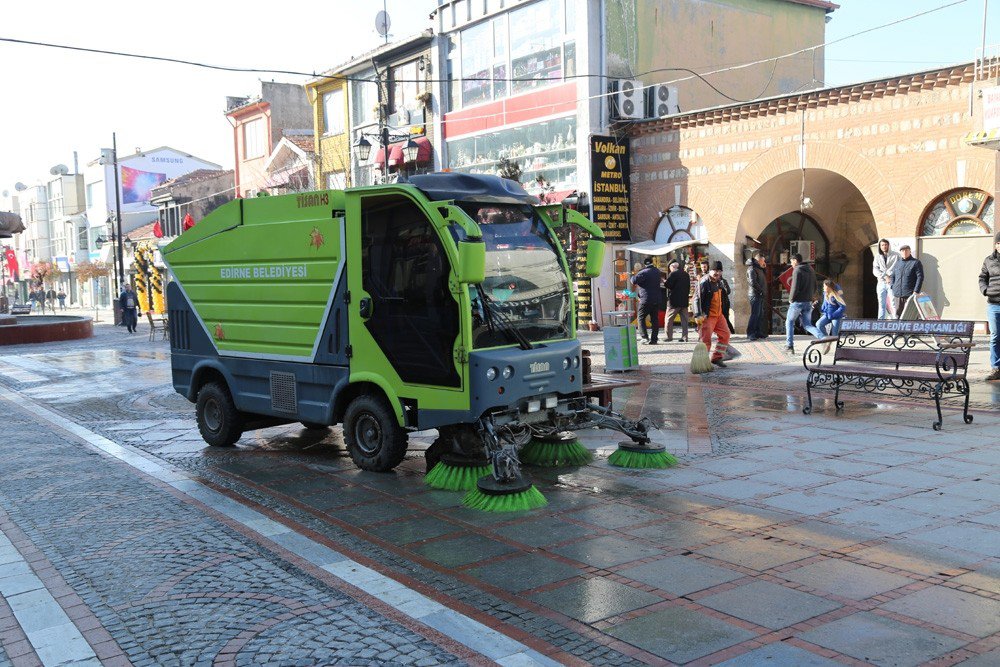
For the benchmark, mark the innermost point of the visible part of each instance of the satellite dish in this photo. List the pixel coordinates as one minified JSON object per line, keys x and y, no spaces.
{"x":20,"y":187}
{"x":59,"y":170}
{"x":382,"y":23}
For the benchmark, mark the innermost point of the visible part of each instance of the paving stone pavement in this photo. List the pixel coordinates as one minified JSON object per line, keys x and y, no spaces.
{"x":779,"y":539}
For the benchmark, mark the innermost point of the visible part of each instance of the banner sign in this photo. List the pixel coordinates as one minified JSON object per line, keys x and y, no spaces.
{"x":610,"y":185}
{"x":939,"y":327}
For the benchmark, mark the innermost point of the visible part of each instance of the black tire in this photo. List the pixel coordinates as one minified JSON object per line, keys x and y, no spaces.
{"x":219,"y":422}
{"x":314,"y":426}
{"x":374,"y":440}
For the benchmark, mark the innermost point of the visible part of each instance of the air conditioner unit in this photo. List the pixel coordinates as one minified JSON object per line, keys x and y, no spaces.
{"x":662,"y":100}
{"x":627,"y":99}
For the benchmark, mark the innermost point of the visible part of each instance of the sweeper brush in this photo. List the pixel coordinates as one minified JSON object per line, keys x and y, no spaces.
{"x":456,"y":473}
{"x":701,"y":362}
{"x":628,"y":455}
{"x":559,"y":449}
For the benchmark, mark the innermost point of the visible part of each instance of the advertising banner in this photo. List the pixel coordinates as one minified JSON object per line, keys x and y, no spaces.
{"x":609,"y":173}
{"x":137,"y":184}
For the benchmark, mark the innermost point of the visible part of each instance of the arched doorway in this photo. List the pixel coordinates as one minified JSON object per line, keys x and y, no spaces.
{"x":776,"y":242}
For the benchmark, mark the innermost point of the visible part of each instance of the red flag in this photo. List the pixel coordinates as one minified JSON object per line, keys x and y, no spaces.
{"x":157,"y":230}
{"x":188,"y":222}
{"x":12,"y":267}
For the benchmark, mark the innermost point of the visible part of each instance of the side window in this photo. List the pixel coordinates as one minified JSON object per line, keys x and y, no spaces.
{"x":405,"y":271}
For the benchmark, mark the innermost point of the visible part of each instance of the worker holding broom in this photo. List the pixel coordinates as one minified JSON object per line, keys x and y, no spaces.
{"x":709,"y":308}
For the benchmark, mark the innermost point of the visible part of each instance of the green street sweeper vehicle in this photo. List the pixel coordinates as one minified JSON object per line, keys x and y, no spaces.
{"x":443,"y":302}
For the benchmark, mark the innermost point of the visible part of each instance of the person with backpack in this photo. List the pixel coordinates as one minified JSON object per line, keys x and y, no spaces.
{"x":130,"y":308}
{"x":678,"y":298}
{"x":647,"y":283}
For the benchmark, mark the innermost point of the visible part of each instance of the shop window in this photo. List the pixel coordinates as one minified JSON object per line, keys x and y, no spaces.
{"x":536,"y":41}
{"x":964,"y":212}
{"x":546,"y":150}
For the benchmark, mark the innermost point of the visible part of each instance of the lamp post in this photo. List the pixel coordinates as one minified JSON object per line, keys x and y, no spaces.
{"x":118,"y":213}
{"x":364,"y":147}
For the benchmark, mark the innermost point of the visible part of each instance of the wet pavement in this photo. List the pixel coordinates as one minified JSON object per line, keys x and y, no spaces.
{"x":863,"y":537}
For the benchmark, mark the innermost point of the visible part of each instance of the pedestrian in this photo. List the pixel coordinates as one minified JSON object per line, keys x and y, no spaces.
{"x":709,"y":309}
{"x":129,"y":304}
{"x":41,"y":298}
{"x":800,"y":300}
{"x":648,"y":284}
{"x":885,"y":260}
{"x":727,"y":304}
{"x":989,"y":285}
{"x":907,"y":279}
{"x":833,"y":309}
{"x":757,"y":293}
{"x":678,"y":299}
{"x":50,"y":296}
{"x":62,"y":299}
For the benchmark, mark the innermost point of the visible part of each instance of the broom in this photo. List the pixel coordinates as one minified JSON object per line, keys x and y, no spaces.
{"x":516,"y":495}
{"x":558,"y":449}
{"x":631,"y":455}
{"x":701,"y":362}
{"x":456,"y":473}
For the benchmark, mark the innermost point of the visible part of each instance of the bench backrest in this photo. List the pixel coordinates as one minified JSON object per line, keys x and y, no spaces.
{"x":903,"y":342}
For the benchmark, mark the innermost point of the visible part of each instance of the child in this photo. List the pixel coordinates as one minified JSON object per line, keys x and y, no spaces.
{"x":833,"y":309}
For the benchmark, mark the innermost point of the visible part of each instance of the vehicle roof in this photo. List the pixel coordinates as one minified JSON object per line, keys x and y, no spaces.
{"x":471,"y":188}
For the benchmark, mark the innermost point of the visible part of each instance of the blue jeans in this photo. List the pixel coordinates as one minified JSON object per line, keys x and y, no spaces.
{"x":883,"y":291}
{"x":819,"y":331}
{"x":797,"y":310}
{"x":993,"y":317}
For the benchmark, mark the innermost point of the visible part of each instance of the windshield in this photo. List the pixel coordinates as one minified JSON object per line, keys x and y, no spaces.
{"x":525,"y":283}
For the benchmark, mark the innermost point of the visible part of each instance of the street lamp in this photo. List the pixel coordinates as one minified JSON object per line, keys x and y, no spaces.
{"x":120,"y":276}
{"x":363,"y":147}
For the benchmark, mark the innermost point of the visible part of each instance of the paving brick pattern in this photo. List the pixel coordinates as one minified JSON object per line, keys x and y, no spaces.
{"x":168,"y":584}
{"x":780,"y":537}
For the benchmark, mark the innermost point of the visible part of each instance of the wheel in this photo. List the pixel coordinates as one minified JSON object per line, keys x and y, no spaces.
{"x":314,"y":426}
{"x":968,"y":419}
{"x":219,"y":422}
{"x":937,"y":426}
{"x":374,"y":440}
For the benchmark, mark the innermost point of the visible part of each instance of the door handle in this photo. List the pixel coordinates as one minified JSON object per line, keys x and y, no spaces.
{"x":365,"y":307}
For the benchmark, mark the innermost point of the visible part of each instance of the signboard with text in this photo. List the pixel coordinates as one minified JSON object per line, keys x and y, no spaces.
{"x":991,"y":108}
{"x":609,"y":174}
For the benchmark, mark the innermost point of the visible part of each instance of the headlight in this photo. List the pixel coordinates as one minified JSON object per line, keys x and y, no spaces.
{"x":491,"y":374}
{"x":566,"y":363}
{"x":508,"y":372}
{"x":576,"y":362}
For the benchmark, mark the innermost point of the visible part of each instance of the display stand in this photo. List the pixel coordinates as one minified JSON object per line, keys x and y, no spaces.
{"x":620,"y":351}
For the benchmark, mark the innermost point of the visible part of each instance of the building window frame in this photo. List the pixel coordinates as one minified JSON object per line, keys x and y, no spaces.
{"x":332,"y":103}
{"x":959,"y":212}
{"x":253,"y":139}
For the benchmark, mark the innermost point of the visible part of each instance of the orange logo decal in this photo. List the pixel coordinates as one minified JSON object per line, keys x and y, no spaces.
{"x":219,"y":333}
{"x":316,"y":239}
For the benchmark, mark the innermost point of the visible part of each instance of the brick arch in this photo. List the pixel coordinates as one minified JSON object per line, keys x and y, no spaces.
{"x":854,"y":167}
{"x":934,"y":182}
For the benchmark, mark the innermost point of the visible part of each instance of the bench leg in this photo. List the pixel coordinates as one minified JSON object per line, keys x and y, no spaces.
{"x":937,"y":404}
{"x":809,"y":397}
{"x":965,"y":413}
{"x":836,"y":395}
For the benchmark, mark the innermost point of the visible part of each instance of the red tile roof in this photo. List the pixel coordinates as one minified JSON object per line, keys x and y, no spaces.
{"x":305,"y":142}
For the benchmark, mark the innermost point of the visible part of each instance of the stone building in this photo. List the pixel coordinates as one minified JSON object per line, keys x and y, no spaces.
{"x":841,"y":167}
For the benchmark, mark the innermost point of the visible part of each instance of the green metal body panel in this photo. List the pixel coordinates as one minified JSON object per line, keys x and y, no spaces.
{"x":261,"y":281}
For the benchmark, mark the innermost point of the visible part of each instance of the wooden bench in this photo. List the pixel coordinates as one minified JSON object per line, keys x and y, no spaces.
{"x":914,"y":359}
{"x":601,"y":386}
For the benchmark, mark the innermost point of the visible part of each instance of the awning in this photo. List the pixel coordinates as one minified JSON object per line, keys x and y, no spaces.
{"x":424,"y":152}
{"x":985,"y":139}
{"x":556,"y":197}
{"x":654,"y":248}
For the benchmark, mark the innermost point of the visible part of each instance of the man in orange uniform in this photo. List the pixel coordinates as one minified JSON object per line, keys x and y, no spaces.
{"x":709,"y":307}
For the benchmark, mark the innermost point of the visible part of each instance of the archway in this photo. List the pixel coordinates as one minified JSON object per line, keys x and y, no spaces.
{"x":840,"y":222}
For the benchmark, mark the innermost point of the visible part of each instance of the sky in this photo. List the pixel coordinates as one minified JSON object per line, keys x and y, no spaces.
{"x":54,"y":102}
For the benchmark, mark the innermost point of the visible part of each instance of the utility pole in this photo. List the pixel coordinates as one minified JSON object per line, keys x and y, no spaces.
{"x":118,"y":214}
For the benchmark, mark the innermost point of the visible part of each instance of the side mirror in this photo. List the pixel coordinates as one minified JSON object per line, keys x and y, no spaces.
{"x":595,"y":258}
{"x":472,"y":261}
